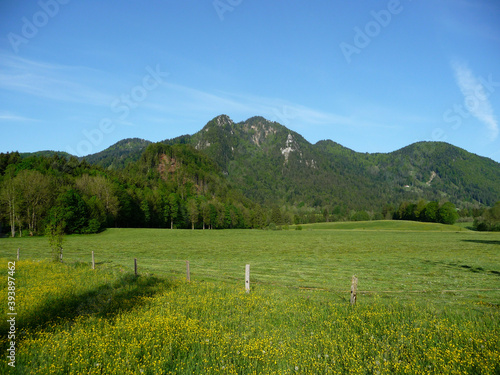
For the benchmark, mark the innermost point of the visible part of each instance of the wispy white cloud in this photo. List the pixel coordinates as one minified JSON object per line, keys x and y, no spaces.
{"x":476,"y":97}
{"x":285,"y":111}
{"x":8,"y":116}
{"x":79,"y":85}
{"x":244,"y":105}
{"x":51,"y":81}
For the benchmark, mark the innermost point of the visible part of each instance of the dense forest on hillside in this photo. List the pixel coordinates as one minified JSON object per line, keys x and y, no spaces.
{"x":246,"y":175}
{"x":274,"y":165}
{"x":169,"y":186}
{"x":119,"y":155}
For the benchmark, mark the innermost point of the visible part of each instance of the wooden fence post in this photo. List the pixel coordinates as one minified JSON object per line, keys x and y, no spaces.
{"x":93,"y":262}
{"x":17,"y":254}
{"x":188,"y":272}
{"x":247,"y":278}
{"x":135,"y":266}
{"x":354,"y":290}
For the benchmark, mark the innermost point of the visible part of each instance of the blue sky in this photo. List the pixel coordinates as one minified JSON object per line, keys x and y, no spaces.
{"x":374,"y":76}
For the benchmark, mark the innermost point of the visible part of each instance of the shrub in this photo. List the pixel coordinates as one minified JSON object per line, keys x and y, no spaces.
{"x":93,"y":227}
{"x":55,"y":235}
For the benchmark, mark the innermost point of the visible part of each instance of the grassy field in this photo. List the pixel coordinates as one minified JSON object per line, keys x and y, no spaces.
{"x":429,"y":301}
{"x":388,"y":225}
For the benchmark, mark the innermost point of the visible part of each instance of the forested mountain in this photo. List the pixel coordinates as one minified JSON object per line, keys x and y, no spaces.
{"x":47,"y":153}
{"x":271,"y":163}
{"x":240,"y":175}
{"x":120,"y":154}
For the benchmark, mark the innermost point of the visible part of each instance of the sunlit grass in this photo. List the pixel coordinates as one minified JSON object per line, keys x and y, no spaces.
{"x":383,"y":260}
{"x":390,"y":225}
{"x":172,"y":327}
{"x":428,"y":303}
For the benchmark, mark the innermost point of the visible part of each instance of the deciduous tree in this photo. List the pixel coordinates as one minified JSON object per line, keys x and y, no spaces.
{"x":36,"y":194}
{"x":193,"y":211}
{"x":8,"y":198}
{"x":447,"y":213}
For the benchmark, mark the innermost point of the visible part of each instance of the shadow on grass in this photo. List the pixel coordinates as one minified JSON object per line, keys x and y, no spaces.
{"x":108,"y":300}
{"x":461,"y":266}
{"x":486,"y":242}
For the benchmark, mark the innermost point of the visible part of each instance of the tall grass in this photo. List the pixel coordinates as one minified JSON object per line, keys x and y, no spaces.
{"x":384,"y":260}
{"x":102,"y":322}
{"x":428,"y":303}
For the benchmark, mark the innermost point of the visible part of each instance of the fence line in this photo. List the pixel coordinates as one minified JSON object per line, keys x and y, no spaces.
{"x":353,"y":291}
{"x":393,"y":291}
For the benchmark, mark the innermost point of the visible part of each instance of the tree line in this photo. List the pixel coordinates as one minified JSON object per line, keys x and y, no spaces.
{"x":490,"y":220}
{"x":170,"y":186}
{"x":40,"y":191}
{"x":432,"y":212}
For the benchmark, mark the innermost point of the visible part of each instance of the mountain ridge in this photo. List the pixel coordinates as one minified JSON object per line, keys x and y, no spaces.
{"x":272,"y":164}
{"x":328,"y":171}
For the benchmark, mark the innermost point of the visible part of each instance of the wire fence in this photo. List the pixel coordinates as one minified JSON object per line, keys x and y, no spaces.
{"x":202,"y":275}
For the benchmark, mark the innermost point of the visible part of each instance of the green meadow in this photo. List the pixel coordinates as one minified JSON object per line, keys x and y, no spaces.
{"x":428,"y":301}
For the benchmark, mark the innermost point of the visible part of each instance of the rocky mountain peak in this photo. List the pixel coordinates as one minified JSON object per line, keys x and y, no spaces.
{"x":223,"y":120}
{"x":259,"y":129}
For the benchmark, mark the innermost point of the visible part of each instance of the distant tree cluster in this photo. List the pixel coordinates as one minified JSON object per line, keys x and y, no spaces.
{"x":431,"y":212}
{"x":490,"y":220}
